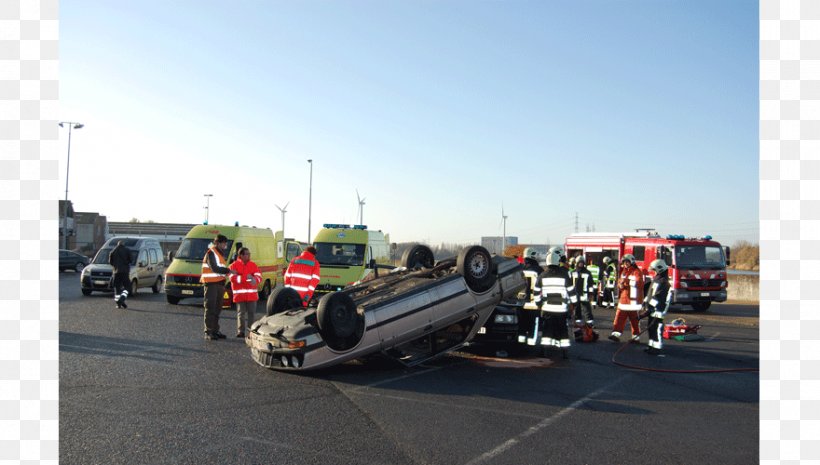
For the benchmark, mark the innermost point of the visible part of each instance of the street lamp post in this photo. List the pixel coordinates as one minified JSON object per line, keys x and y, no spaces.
{"x":310,"y":197}
{"x":207,"y":207}
{"x":71,"y":125}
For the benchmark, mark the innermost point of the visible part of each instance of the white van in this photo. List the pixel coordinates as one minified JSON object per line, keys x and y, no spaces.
{"x":147,"y":266}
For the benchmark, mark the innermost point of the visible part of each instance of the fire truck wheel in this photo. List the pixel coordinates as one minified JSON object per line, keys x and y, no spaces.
{"x":701,"y":306}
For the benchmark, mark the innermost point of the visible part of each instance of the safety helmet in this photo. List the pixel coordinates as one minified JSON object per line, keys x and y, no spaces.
{"x":554,"y":256}
{"x":607,"y":260}
{"x":572,"y":260}
{"x":658,"y":266}
{"x":579,"y":260}
{"x":530,"y":252}
{"x":628,"y":258}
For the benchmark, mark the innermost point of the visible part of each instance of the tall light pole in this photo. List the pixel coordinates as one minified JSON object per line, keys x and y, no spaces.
{"x":71,"y":125}
{"x":207,"y":207}
{"x":310,"y":197}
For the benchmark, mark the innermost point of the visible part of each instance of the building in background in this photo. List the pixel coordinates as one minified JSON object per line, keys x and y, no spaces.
{"x":493,"y":243}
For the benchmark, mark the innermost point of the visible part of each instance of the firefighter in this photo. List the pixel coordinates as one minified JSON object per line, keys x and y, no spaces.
{"x":630,"y":299}
{"x":213,"y":276}
{"x":531,"y":309}
{"x":596,"y":274}
{"x":120,"y":261}
{"x":609,"y":276}
{"x":582,"y":280}
{"x":557,"y":294}
{"x":303,"y":274}
{"x":657,"y":303}
{"x":531,"y":260}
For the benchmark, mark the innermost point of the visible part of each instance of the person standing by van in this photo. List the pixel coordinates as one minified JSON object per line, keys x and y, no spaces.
{"x":120,"y":261}
{"x":303,"y":274}
{"x":244,"y":284}
{"x":213,"y":276}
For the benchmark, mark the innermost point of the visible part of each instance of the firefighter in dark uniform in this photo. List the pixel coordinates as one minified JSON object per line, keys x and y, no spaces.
{"x":657,"y":303}
{"x":585,"y":287}
{"x":120,"y":260}
{"x":557,"y":293}
{"x":607,"y":280}
{"x":531,"y":311}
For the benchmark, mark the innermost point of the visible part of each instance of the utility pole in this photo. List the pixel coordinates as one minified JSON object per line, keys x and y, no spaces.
{"x":310,"y":197}
{"x":207,"y":207}
{"x":71,"y":125}
{"x":504,"y":230}
{"x":576,"y":221}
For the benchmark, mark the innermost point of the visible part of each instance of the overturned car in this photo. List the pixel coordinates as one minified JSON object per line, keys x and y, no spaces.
{"x":414,"y":313}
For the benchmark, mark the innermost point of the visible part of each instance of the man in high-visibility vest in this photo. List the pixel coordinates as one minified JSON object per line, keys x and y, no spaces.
{"x":303,"y":274}
{"x":214,"y":272}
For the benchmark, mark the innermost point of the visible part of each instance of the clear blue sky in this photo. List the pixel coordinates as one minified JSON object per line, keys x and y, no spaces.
{"x":630,"y":113}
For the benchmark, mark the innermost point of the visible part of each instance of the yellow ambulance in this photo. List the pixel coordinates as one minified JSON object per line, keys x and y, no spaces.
{"x":348,"y":254}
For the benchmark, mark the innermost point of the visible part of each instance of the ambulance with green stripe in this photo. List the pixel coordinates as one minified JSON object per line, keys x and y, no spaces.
{"x":271,"y":253}
{"x":348,"y":254}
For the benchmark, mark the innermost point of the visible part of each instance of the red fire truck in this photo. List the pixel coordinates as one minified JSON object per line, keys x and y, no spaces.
{"x":697,"y":265}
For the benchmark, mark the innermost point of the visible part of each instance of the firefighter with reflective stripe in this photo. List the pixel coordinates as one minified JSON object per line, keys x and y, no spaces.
{"x":213,"y":276}
{"x":303,"y":274}
{"x":607,"y":280}
{"x":245,"y":284}
{"x":657,"y":303}
{"x":630,"y":299}
{"x":596,"y":274}
{"x":531,"y":309}
{"x":557,"y":293}
{"x":585,"y":287}
{"x":120,"y":261}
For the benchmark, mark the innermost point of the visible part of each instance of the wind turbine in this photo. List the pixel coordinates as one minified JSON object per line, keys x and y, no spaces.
{"x":504,"y":231}
{"x":283,"y":210}
{"x":361,"y":207}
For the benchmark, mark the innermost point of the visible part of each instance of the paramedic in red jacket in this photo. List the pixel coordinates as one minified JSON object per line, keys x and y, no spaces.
{"x":244,"y":287}
{"x":303,"y":274}
{"x":630,"y":299}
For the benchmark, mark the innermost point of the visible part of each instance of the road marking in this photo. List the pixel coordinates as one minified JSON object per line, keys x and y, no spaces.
{"x":540,"y":425}
{"x":445,"y":404}
{"x":712,"y":338}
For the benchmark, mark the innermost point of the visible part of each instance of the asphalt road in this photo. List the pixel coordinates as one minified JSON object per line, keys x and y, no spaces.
{"x":143,"y":386}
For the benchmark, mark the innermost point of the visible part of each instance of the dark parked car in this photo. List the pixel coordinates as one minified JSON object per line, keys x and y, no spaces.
{"x":412,"y":314}
{"x":72,"y":261}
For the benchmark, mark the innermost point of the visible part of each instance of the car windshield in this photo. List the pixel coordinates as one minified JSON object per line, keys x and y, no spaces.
{"x":102,"y":256}
{"x":330,"y":253}
{"x":699,"y":256}
{"x":194,"y":249}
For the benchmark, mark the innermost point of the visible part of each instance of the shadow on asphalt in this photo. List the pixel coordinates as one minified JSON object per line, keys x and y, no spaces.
{"x":122,"y":347}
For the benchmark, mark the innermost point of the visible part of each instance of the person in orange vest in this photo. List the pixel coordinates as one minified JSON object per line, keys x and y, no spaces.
{"x":213,"y":276}
{"x":303,"y":274}
{"x":630,"y":299}
{"x":244,"y":284}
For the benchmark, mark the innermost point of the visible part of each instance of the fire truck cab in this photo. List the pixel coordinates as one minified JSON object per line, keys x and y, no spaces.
{"x":697,"y":266}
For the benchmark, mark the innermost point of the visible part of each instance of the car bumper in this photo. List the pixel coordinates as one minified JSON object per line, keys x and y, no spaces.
{"x":97,"y":283}
{"x":686,"y":296}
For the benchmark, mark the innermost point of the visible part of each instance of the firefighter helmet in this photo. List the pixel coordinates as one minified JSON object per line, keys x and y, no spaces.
{"x":607,"y":260}
{"x":628,"y":258}
{"x":658,"y":266}
{"x":554,"y":256}
{"x":580,"y":260}
{"x":530,"y":252}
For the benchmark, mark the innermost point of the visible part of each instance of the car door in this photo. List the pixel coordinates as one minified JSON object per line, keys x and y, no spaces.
{"x":403,"y":318}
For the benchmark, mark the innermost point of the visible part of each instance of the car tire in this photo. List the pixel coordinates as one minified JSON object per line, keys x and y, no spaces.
{"x":265,"y":292}
{"x":133,"y":291}
{"x":79,"y":267}
{"x":340,"y":324}
{"x":86,"y":291}
{"x":701,"y":306}
{"x":172,"y":299}
{"x":157,"y":285}
{"x":475,"y":264}
{"x":417,"y":257}
{"x":282,"y":299}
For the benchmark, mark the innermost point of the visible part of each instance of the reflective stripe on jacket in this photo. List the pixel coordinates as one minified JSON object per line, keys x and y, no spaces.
{"x":303,"y":275}
{"x":243,"y":289}
{"x":630,"y":297}
{"x":557,"y":290}
{"x":213,"y":275}
{"x":659,"y":296}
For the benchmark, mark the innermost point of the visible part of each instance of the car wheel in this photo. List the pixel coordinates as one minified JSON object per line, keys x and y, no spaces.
{"x":133,"y":291}
{"x":265,"y":292}
{"x":173,"y":300}
{"x":79,"y":267}
{"x":417,"y":257}
{"x":340,"y":323}
{"x":86,"y":291}
{"x":282,"y":299}
{"x":157,"y":285}
{"x":475,"y":264}
{"x":701,"y":306}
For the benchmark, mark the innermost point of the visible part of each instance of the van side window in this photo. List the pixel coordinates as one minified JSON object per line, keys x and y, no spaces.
{"x":143,"y":257}
{"x":293,"y":251}
{"x":639,"y":252}
{"x":153,"y":258}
